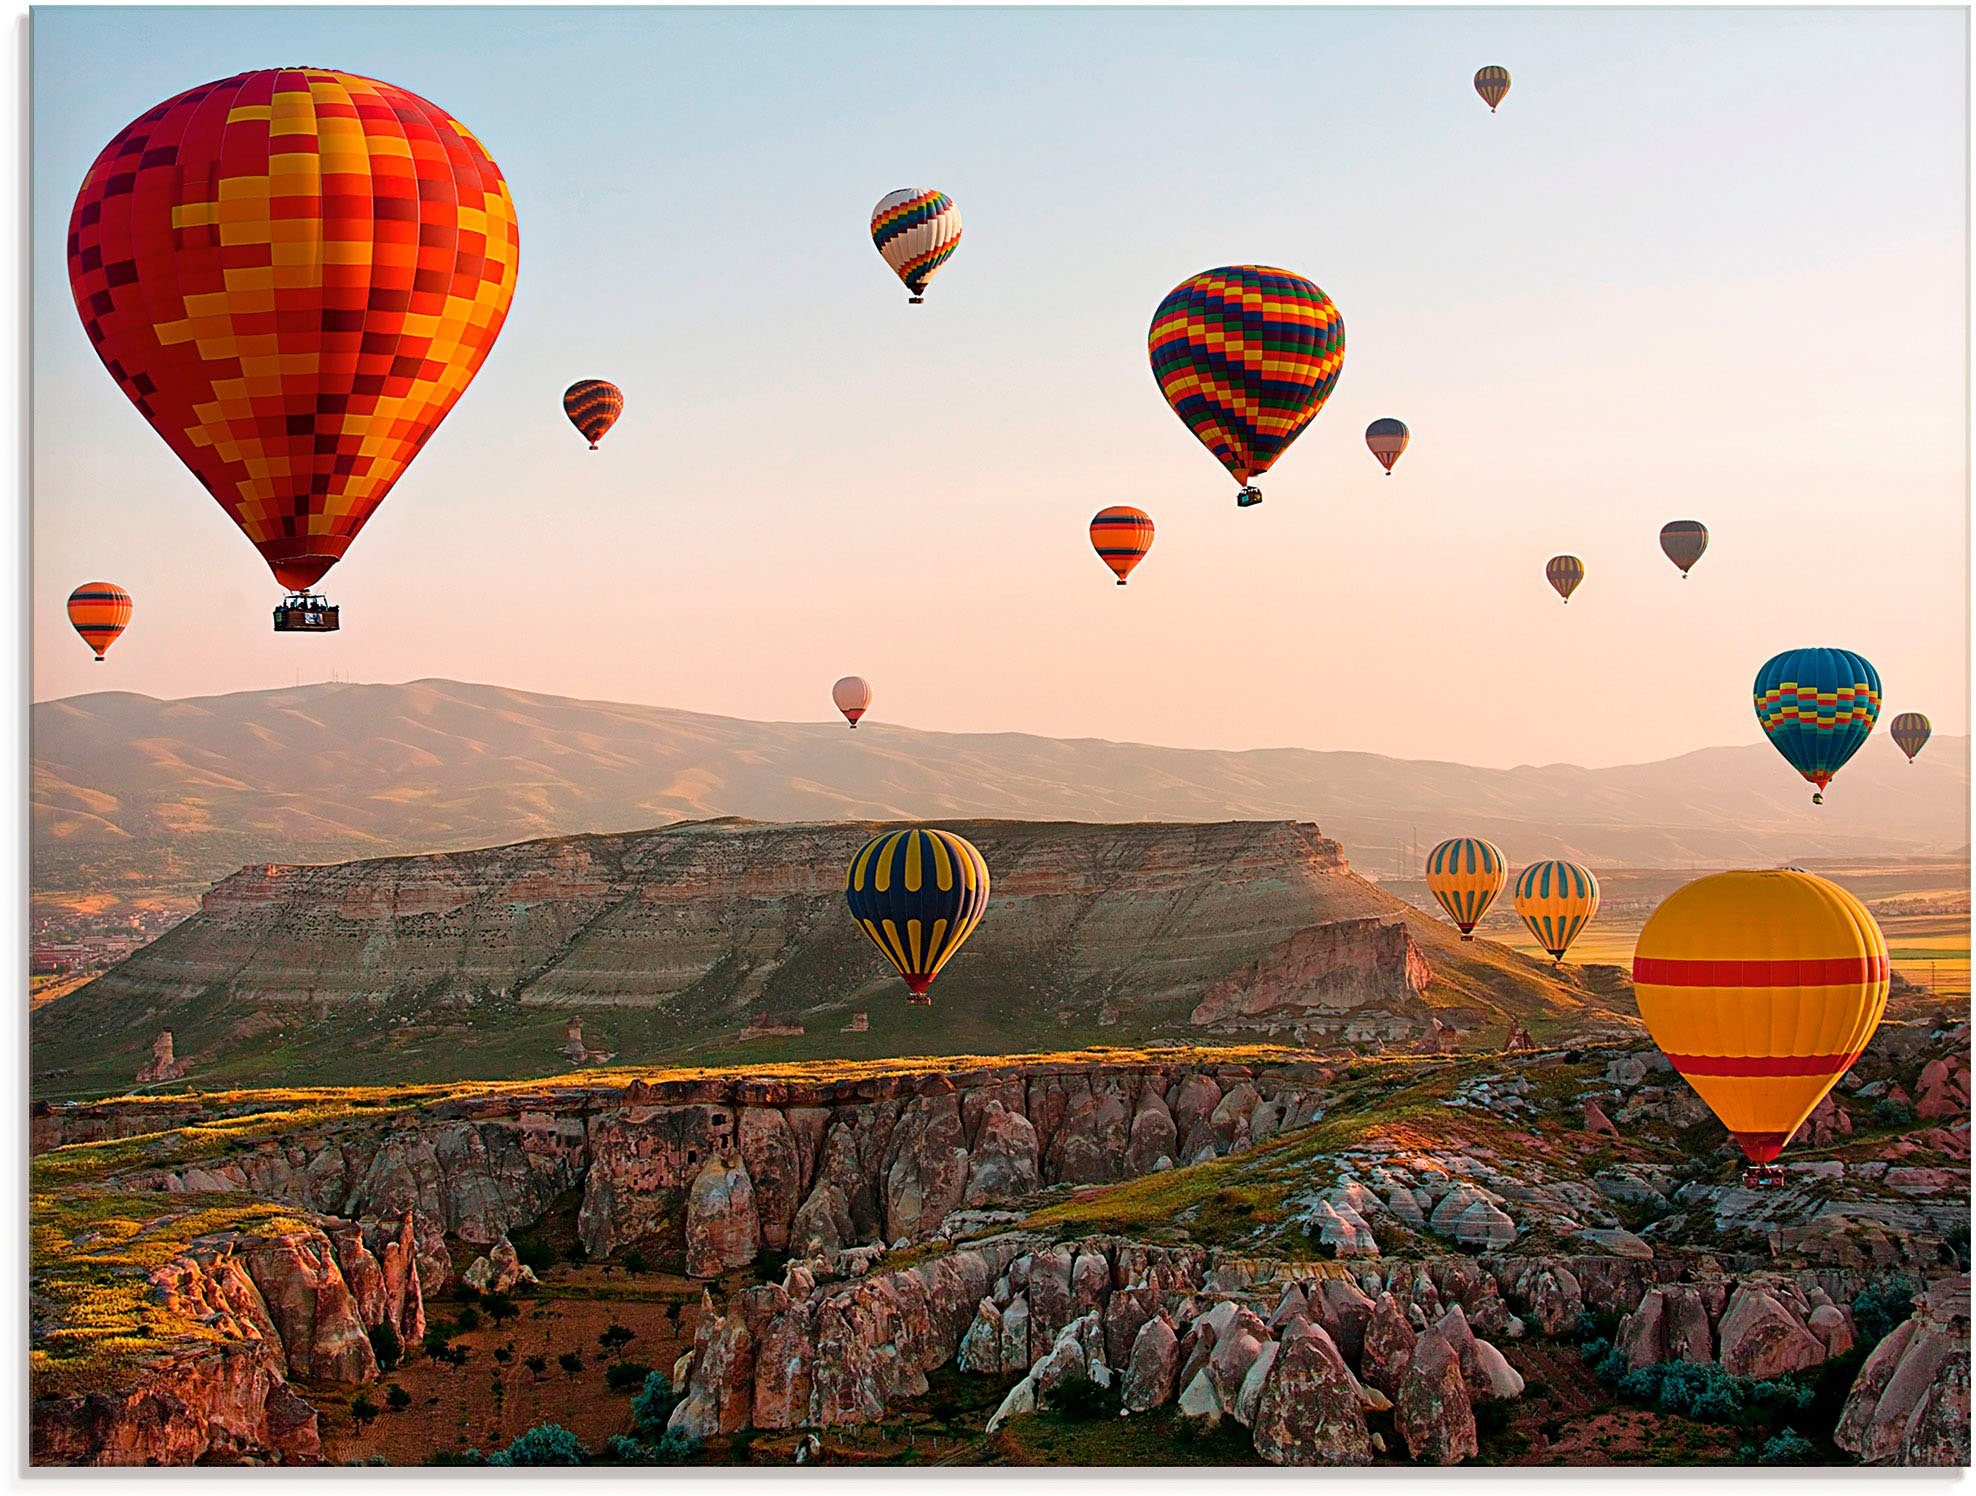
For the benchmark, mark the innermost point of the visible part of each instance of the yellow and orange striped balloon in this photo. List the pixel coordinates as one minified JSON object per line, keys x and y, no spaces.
{"x":1121,"y":535}
{"x":100,"y":612}
{"x":1762,"y":988}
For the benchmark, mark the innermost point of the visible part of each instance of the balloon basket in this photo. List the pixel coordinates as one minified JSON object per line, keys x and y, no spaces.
{"x":1763,"y":1177}
{"x":307,"y":613}
{"x":918,"y":1000}
{"x":1248,"y":498}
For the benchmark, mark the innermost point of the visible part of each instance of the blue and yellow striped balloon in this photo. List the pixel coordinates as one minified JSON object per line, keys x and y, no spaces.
{"x":918,"y":894}
{"x":1557,"y":900}
{"x":1465,"y":874}
{"x":1817,"y":707}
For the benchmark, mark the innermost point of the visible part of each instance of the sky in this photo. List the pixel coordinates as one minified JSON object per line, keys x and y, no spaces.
{"x":1703,"y":264}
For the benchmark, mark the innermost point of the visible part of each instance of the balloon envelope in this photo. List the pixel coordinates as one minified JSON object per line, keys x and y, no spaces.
{"x":1761,"y":988}
{"x":917,"y":230}
{"x":1557,"y":900}
{"x":1493,"y":84}
{"x":1564,"y":573}
{"x":1817,"y":707}
{"x":1684,"y":540}
{"x":1465,"y":874}
{"x":852,"y":696}
{"x":1246,"y":355}
{"x":918,"y":894}
{"x":1911,"y":732}
{"x":1122,"y":535}
{"x":593,"y":406}
{"x":1388,"y":439}
{"x":100,"y":612}
{"x":293,"y":274}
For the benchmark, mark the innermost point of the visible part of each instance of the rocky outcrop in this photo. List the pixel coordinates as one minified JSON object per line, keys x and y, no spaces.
{"x":500,"y":1271}
{"x":1909,"y":1405}
{"x":163,"y":1065}
{"x":226,"y":1402}
{"x":1359,"y":979}
{"x":1309,"y":1411}
{"x":1762,"y":1338}
{"x":1432,"y":1410}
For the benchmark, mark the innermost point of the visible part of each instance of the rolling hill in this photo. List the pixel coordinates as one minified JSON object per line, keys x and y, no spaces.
{"x":137,"y":798}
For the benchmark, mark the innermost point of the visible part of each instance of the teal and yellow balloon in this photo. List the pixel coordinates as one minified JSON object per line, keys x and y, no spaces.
{"x":918,"y":894}
{"x":1465,"y":873}
{"x":1557,"y":900}
{"x":1817,"y":706}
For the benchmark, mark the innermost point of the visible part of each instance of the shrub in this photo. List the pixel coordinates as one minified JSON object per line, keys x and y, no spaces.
{"x":1889,"y":1111}
{"x":386,"y":1345}
{"x":503,"y":1354}
{"x":467,"y":1319}
{"x":1880,"y":1306}
{"x":654,"y":1403}
{"x":1788,"y":1448}
{"x":545,"y":1444}
{"x":500,"y":1307}
{"x":1082,"y":1399}
{"x":537,"y":1365}
{"x":616,"y":1337}
{"x":634,"y":1261}
{"x":396,"y":1398}
{"x":623,"y":1376}
{"x":436,"y":1340}
{"x":362,"y":1409}
{"x":570,"y":1362}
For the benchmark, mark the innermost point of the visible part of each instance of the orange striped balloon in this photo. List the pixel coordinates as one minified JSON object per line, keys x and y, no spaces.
{"x":100,"y":612}
{"x":1762,"y":988}
{"x":593,"y":406}
{"x":1121,"y":536}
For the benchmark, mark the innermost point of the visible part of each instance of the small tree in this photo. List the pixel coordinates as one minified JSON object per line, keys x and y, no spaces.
{"x":500,"y":1307}
{"x":396,"y":1398}
{"x":467,"y":1319}
{"x":623,"y":1376}
{"x":362,"y":1409}
{"x":654,"y":1403}
{"x":616,"y":1337}
{"x":570,"y":1362}
{"x":545,"y":1444}
{"x":536,"y":1365}
{"x":386,"y":1345}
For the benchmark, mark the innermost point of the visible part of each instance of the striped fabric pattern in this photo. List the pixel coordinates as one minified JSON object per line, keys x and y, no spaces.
{"x":1492,"y":83}
{"x":1387,"y":439}
{"x":917,"y":230}
{"x":1246,"y":355}
{"x":1683,"y":541}
{"x":1564,"y":573}
{"x":917,"y":894}
{"x":1911,"y":731}
{"x":1817,"y":707}
{"x":293,"y":274}
{"x":1761,"y":988}
{"x":1465,"y":874}
{"x":1557,"y":900}
{"x":1122,"y":535}
{"x":100,"y":612}
{"x":593,"y":406}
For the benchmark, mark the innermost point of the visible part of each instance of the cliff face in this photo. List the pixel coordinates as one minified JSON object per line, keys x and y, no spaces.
{"x":376,"y":970}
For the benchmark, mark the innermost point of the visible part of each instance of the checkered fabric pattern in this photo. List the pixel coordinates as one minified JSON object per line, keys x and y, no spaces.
{"x":293,"y":274}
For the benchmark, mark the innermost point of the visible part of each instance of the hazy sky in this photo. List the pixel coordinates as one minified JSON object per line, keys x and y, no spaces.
{"x":1704,"y":264}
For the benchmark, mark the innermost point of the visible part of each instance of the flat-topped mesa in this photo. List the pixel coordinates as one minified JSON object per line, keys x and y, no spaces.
{"x":1102,"y":932}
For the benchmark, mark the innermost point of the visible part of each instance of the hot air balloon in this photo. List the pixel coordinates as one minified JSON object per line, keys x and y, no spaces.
{"x":293,"y":274}
{"x":1387,"y":438}
{"x":1492,"y":83}
{"x":1122,"y":535}
{"x":1465,"y":874}
{"x":100,"y":612}
{"x":1911,"y":732}
{"x":1556,"y":900}
{"x":1684,"y":540}
{"x":593,"y":406}
{"x":1246,"y":356}
{"x":917,"y":230}
{"x":1817,"y":706}
{"x":1564,"y":573}
{"x":918,"y":894}
{"x":853,"y":697}
{"x":1762,"y":988}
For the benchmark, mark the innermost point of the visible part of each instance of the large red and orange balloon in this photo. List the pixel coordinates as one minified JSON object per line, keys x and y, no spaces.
{"x":100,"y":612}
{"x":1121,"y":535}
{"x":1762,"y":988}
{"x":293,"y":274}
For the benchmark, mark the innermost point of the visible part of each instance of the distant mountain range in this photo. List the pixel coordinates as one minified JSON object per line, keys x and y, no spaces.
{"x":139,"y":798}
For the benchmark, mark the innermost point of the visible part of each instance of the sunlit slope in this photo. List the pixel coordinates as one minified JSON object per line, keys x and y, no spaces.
{"x":138,"y":797}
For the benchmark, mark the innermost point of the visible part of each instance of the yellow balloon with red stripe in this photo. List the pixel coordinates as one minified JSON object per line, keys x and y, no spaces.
{"x":1761,"y":988}
{"x":917,"y":894}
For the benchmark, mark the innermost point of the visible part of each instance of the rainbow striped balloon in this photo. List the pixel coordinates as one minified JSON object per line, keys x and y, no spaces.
{"x":918,"y":894}
{"x":917,"y":230}
{"x":1246,"y":355}
{"x":100,"y":612}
